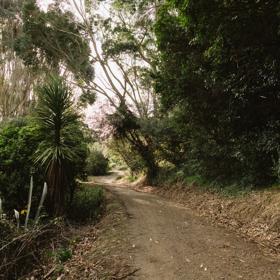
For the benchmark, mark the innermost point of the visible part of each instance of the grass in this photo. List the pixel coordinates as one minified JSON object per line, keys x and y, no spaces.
{"x":63,"y":254}
{"x":174,"y":176}
{"x":275,"y":187}
{"x":232,"y":190}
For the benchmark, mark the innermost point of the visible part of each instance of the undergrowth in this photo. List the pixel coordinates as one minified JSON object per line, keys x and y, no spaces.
{"x":87,"y":205}
{"x":172,"y":176}
{"x":24,"y":251}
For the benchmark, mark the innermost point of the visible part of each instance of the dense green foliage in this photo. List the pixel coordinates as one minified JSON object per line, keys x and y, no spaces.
{"x":219,"y":80}
{"x":97,"y":163}
{"x":24,"y":140}
{"x":49,"y":39}
{"x":18,"y":142}
{"x":218,"y":86}
{"x":122,"y":155}
{"x":87,"y":204}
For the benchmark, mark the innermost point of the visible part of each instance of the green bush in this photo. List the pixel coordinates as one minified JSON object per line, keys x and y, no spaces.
{"x":87,"y":204}
{"x":97,"y":164}
{"x":19,"y":140}
{"x":224,"y":121}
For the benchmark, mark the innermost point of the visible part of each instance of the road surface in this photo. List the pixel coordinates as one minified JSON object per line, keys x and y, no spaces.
{"x":171,"y":242}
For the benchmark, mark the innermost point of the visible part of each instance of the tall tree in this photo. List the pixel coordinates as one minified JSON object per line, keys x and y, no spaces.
{"x":123,"y":52}
{"x":60,"y":152}
{"x":16,"y":80}
{"x":220,"y":67}
{"x":52,"y":41}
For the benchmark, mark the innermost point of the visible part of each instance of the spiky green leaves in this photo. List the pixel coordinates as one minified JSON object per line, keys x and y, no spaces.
{"x":58,"y":153}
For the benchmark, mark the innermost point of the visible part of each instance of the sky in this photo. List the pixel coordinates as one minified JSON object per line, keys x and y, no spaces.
{"x":44,"y":4}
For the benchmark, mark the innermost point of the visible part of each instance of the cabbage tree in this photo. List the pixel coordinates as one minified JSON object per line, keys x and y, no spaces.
{"x":57,"y":154}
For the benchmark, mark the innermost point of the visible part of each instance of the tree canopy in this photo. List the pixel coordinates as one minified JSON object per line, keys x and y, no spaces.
{"x":220,"y":66}
{"x":194,"y":84}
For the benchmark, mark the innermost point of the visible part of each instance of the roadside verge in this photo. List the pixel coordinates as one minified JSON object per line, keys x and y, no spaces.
{"x":255,"y":215}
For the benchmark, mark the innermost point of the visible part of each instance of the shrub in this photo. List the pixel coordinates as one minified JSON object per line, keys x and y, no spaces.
{"x":19,"y":140}
{"x":87,"y":204}
{"x":97,"y":164}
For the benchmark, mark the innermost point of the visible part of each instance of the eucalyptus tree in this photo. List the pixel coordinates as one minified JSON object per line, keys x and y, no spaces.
{"x":122,"y":50}
{"x":124,"y":53}
{"x":16,"y":79}
{"x":52,"y":41}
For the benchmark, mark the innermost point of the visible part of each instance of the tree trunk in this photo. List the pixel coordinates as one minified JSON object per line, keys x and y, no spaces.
{"x":151,"y":165}
{"x":57,"y":181}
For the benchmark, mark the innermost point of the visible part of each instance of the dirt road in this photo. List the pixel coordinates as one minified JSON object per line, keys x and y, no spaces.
{"x":171,"y":243}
